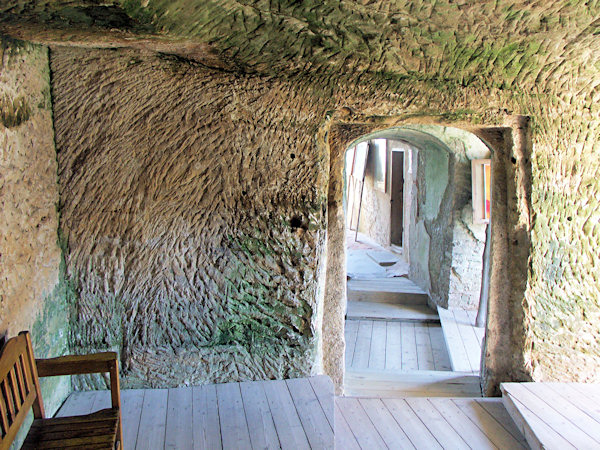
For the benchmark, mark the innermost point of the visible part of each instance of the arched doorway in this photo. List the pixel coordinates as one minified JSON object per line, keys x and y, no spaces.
{"x":511,"y":204}
{"x":415,"y":239}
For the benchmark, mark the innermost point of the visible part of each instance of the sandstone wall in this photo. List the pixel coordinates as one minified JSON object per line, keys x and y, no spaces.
{"x":441,"y":61}
{"x":194,"y":206}
{"x":31,"y":295}
{"x":375,"y":212}
{"x":466,"y":239}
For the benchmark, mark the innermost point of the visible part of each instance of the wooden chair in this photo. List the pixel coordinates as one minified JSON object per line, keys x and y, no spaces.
{"x":20,"y":390}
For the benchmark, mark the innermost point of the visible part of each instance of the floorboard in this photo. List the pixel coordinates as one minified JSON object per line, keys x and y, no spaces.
{"x":290,"y":414}
{"x":421,"y":423}
{"x":258,"y":415}
{"x":344,"y":438}
{"x":313,"y":418}
{"x":131,"y":402}
{"x":424,"y":350}
{"x":350,"y":335}
{"x":378,"y":345}
{"x":489,"y":423}
{"x":556,"y":421}
{"x":323,"y":388}
{"x":393,"y":346}
{"x":205,"y":418}
{"x":416,"y":383}
{"x":287,"y":423}
{"x":77,"y":405}
{"x":413,"y":427}
{"x":390,"y":431}
{"x":234,"y":428}
{"x":153,"y":420}
{"x":410,"y":360}
{"x":364,"y":310}
{"x":362,"y":349}
{"x":441,"y":359}
{"x":436,"y":424}
{"x":358,"y":420}
{"x":463,"y":343}
{"x":462,"y":424}
{"x":178,"y":432}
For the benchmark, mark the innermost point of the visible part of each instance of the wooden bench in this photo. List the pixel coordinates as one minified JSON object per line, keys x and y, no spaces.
{"x":20,"y":391}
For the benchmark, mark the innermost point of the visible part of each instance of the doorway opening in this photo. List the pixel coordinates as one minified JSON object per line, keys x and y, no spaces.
{"x":415,"y":261}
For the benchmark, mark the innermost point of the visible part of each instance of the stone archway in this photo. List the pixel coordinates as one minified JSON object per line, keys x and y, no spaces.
{"x":510,"y":240}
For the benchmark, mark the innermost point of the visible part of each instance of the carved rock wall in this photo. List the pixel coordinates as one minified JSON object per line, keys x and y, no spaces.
{"x":541,"y":67}
{"x":194,"y":206}
{"x":31,"y":294}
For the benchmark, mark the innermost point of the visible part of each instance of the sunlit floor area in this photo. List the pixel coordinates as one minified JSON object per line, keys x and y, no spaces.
{"x":295,"y":413}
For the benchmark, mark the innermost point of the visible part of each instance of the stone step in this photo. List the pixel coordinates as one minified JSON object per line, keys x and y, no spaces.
{"x":398,"y":290}
{"x":387,"y":311}
{"x":416,"y":383}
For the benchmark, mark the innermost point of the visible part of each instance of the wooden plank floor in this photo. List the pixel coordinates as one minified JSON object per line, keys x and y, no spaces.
{"x":463,"y":339}
{"x":383,"y":345}
{"x":555,"y":415}
{"x":295,"y":414}
{"x":424,"y":423}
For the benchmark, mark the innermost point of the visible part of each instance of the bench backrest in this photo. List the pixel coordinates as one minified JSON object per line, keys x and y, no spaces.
{"x":19,"y":387}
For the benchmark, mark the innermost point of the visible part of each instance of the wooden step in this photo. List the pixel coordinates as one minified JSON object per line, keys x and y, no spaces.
{"x":418,"y":383}
{"x":397,"y":290}
{"x":555,"y":415}
{"x":463,"y":339}
{"x":392,"y":312}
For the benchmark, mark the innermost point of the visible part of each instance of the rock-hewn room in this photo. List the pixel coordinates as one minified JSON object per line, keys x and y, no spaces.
{"x":299,"y":224}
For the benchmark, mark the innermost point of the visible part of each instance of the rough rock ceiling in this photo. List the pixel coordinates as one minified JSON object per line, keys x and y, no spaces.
{"x":539,"y":45}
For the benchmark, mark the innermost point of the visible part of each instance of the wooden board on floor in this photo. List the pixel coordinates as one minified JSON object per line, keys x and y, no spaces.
{"x":410,"y":360}
{"x":424,"y":350}
{"x":260,"y":423}
{"x":385,"y":424}
{"x":323,"y":387}
{"x":422,"y":423}
{"x":378,"y":344}
{"x":441,"y":359}
{"x":365,"y":433}
{"x":555,"y":421}
{"x":387,"y":311}
{"x":291,"y":414}
{"x":464,"y":357}
{"x":153,"y":420}
{"x":131,"y":404}
{"x":288,"y":424}
{"x":178,"y":433}
{"x":205,"y":417}
{"x":234,"y":428}
{"x":350,"y":335}
{"x":490,"y":422}
{"x":362,"y":349}
{"x":461,"y":423}
{"x":416,"y":383}
{"x":395,"y":346}
{"x":344,"y":438}
{"x":78,"y":404}
{"x":395,"y":284}
{"x":313,"y":418}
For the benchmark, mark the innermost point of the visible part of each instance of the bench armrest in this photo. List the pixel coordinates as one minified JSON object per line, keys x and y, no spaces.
{"x":77,"y":364}
{"x":82,"y":364}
